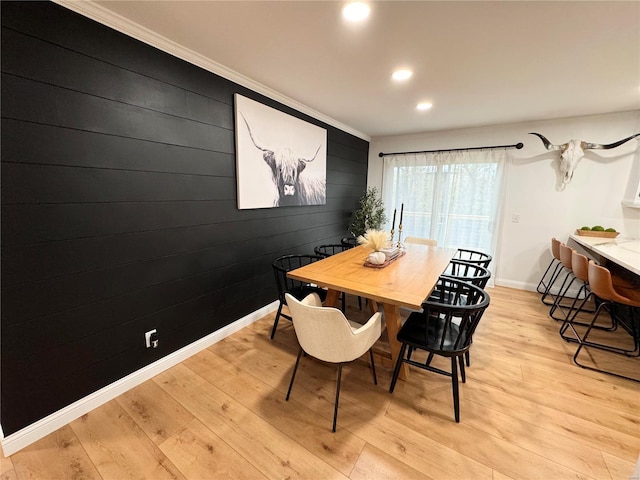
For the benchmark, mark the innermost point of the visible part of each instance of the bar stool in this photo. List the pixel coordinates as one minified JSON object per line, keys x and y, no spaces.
{"x":555,"y":250}
{"x":580,"y":268}
{"x":555,"y":263}
{"x":600,"y":282}
{"x":566,"y":259}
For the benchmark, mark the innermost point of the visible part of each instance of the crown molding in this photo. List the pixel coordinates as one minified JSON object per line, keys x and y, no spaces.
{"x":106,"y":17}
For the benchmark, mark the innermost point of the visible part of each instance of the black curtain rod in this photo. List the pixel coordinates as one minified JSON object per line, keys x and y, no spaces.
{"x":517,"y":145}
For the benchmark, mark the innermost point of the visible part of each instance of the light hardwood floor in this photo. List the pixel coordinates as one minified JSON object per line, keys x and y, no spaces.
{"x":526,"y":412}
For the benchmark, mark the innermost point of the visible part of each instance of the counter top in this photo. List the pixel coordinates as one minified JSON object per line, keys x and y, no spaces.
{"x":622,"y":251}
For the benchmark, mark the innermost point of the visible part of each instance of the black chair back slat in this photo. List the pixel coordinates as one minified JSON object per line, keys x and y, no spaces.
{"x":473,"y":273}
{"x":349,"y":242}
{"x":281,"y":266}
{"x":473,"y":256}
{"x":328,"y":250}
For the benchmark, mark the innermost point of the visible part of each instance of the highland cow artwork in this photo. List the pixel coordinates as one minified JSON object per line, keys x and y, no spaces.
{"x":280,"y":159}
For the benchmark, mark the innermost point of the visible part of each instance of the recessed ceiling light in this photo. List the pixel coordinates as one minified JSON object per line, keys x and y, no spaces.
{"x":403,"y":74}
{"x":356,"y":11}
{"x":424,"y":106}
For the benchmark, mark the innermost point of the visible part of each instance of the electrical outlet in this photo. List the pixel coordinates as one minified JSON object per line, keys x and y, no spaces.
{"x":515,"y":218}
{"x":151,"y":338}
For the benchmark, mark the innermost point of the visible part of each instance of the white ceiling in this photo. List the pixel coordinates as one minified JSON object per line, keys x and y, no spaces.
{"x":479,"y":63}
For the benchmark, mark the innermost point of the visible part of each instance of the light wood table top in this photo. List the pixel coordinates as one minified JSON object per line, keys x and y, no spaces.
{"x":406,"y":282}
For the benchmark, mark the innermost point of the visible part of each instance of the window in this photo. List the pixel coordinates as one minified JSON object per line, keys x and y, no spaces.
{"x":452,"y":197}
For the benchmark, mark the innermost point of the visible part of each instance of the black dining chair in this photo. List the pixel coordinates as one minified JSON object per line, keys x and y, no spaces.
{"x":465,"y":271}
{"x":325,"y":251}
{"x":472,"y":273}
{"x":444,"y":328}
{"x":473,"y":256}
{"x":349,"y":242}
{"x":281,"y":266}
{"x":328,"y":250}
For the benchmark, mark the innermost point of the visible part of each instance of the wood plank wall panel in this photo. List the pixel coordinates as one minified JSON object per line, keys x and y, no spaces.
{"x":119,"y":208}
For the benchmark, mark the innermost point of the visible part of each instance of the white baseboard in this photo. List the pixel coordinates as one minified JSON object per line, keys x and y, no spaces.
{"x":30,"y":434}
{"x":501,"y":282}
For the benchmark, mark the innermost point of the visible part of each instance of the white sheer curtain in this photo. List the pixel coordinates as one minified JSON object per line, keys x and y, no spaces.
{"x":452,"y":197}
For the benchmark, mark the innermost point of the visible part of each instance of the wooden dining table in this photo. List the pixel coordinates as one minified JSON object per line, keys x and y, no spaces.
{"x":405,"y":282}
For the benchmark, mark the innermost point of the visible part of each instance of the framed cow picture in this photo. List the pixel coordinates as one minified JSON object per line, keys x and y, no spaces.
{"x":280,"y":159}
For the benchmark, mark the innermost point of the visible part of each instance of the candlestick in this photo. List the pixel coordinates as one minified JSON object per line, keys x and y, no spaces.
{"x":401,"y":212}
{"x":393,"y":224}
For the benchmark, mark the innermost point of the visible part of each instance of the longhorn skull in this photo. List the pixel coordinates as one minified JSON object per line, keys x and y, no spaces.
{"x":573,"y":151}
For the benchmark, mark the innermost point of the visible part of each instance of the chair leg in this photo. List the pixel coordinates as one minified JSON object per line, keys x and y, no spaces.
{"x":429,"y":358}
{"x":557,"y":304}
{"x":541,"y":288}
{"x":569,"y":321}
{"x":462,"y":372}
{"x":396,"y":370}
{"x":409,"y":352}
{"x":335,"y":408}
{"x":602,"y":346}
{"x":275,"y":322}
{"x":554,"y":276}
{"x":293,"y":375}
{"x":582,"y":342}
{"x":561,"y":295}
{"x":635,"y":326}
{"x":454,"y":384}
{"x":373,"y":367}
{"x":468,"y":358}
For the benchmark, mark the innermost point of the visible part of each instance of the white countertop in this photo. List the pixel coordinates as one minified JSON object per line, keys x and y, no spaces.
{"x":622,"y":251}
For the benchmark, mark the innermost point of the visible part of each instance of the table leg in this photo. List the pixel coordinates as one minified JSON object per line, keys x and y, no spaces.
{"x":332,"y":298}
{"x":392,"y":317}
{"x":373,"y":306}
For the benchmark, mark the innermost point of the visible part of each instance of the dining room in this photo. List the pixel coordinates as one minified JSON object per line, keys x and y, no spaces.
{"x":138,"y":295}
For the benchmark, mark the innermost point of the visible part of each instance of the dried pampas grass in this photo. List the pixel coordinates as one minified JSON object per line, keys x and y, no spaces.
{"x":374,"y":239}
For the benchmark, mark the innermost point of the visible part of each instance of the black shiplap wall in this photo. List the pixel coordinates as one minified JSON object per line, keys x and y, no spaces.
{"x":119,"y":208}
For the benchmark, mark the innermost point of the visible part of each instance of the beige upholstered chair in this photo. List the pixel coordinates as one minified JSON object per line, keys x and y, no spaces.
{"x":421,"y":241}
{"x":326,"y":334}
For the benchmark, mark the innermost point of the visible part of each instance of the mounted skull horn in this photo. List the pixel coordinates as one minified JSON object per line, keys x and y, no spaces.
{"x":573,"y":151}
